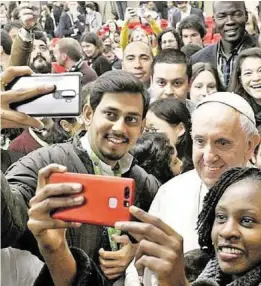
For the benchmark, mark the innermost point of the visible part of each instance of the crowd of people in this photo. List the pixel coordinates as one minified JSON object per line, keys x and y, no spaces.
{"x":170,"y":97}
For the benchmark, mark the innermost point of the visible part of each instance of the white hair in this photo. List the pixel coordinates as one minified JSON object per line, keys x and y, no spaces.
{"x":248,"y":126}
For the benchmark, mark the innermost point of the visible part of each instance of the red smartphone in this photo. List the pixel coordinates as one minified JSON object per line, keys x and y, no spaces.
{"x":107,"y":199}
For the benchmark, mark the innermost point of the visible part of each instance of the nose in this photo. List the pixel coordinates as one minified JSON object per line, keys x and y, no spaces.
{"x":204,"y":90}
{"x":229,"y":230}
{"x":119,"y":126}
{"x":256,"y":76}
{"x":168,"y":90}
{"x":230,"y":20}
{"x":209,"y":155}
{"x":137,"y":63}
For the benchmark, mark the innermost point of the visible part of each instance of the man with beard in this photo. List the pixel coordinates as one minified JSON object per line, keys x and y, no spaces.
{"x":40,"y":59}
{"x":118,"y":107}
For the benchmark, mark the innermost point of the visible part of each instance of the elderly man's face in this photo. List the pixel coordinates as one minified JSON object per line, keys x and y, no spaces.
{"x":219,"y":142}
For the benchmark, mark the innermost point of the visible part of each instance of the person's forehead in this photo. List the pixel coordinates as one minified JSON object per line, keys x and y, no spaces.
{"x":216,"y":113}
{"x":246,"y":191}
{"x":117,"y":100}
{"x":137,"y":49}
{"x":225,"y":6}
{"x":170,"y":71}
{"x":168,"y":35}
{"x":39,"y":43}
{"x":189,"y":31}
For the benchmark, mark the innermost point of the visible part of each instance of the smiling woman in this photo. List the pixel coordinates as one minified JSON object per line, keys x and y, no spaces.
{"x":246,"y":79}
{"x":230,"y":229}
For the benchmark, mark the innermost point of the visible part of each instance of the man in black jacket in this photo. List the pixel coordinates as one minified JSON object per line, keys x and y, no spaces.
{"x":72,"y":23}
{"x":118,"y":106}
{"x":230,"y":20}
{"x":185,"y":10}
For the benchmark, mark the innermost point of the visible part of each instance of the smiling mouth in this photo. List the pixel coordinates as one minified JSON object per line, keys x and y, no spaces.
{"x":212,"y":169}
{"x":139,"y":75}
{"x":231,"y":31}
{"x":256,"y":86}
{"x":230,"y":250}
{"x":116,"y":140}
{"x":229,"y":253}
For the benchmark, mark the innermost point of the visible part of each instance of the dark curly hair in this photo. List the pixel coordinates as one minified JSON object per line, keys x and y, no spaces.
{"x":207,"y":215}
{"x":153,"y":153}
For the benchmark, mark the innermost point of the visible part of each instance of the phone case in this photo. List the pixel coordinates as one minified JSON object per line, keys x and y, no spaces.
{"x":107,"y":199}
{"x":65,"y":101}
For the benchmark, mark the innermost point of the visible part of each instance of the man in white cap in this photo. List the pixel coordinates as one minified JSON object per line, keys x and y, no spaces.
{"x":224,"y":136}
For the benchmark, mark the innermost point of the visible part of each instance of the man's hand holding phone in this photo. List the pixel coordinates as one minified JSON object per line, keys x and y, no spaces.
{"x":9,"y":117}
{"x":50,"y":232}
{"x":129,"y":14}
{"x":160,"y":248}
{"x":114,"y":263}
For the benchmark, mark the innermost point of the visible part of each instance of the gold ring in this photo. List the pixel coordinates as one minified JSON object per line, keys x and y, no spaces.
{"x":3,"y":83}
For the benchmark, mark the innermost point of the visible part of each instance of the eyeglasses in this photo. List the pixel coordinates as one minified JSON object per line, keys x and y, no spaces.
{"x":42,"y":48}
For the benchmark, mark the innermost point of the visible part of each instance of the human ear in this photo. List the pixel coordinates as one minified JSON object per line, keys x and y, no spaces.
{"x":87,"y":114}
{"x":181,"y":129}
{"x":66,"y":125}
{"x":252,"y":144}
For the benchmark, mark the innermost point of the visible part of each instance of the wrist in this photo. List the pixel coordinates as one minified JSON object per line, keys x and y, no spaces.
{"x":52,"y":249}
{"x":26,"y":35}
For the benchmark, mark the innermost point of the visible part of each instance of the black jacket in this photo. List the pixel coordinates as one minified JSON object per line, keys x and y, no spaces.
{"x":20,"y":183}
{"x":66,"y":27}
{"x":176,"y":17}
{"x":209,"y":53}
{"x":100,"y":64}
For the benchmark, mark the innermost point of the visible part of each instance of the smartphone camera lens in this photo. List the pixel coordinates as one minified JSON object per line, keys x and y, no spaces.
{"x":126,"y":204}
{"x":127,"y":193}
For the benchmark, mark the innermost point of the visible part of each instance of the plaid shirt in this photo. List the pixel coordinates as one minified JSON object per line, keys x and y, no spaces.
{"x":226,"y":63}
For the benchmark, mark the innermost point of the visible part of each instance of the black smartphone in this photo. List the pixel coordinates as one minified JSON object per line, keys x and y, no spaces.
{"x":64,"y":101}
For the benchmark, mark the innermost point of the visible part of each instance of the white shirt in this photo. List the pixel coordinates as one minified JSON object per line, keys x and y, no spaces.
{"x":187,"y":13}
{"x":19,"y":267}
{"x":177,"y":203}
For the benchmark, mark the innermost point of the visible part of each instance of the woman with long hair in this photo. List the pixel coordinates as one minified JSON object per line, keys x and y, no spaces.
{"x":246,"y":79}
{"x":92,"y":47}
{"x":171,"y":117}
{"x":204,"y":81}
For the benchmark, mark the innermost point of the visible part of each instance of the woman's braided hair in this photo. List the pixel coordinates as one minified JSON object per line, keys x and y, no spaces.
{"x":207,"y":215}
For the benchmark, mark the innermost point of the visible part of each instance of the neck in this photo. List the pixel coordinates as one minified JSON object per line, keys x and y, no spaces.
{"x":258,"y":101}
{"x":228,"y":47}
{"x":69,"y":64}
{"x":98,"y":154}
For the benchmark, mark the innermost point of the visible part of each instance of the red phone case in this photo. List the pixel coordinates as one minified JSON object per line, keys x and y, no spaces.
{"x":106,"y":199}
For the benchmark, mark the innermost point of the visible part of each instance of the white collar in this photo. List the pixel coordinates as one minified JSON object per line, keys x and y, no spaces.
{"x":37,"y":139}
{"x":125,"y":162}
{"x":187,"y":13}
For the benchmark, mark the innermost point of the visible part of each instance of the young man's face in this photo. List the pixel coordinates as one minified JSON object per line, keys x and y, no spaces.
{"x":170,"y":80}
{"x":191,"y":36}
{"x":116,"y":125}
